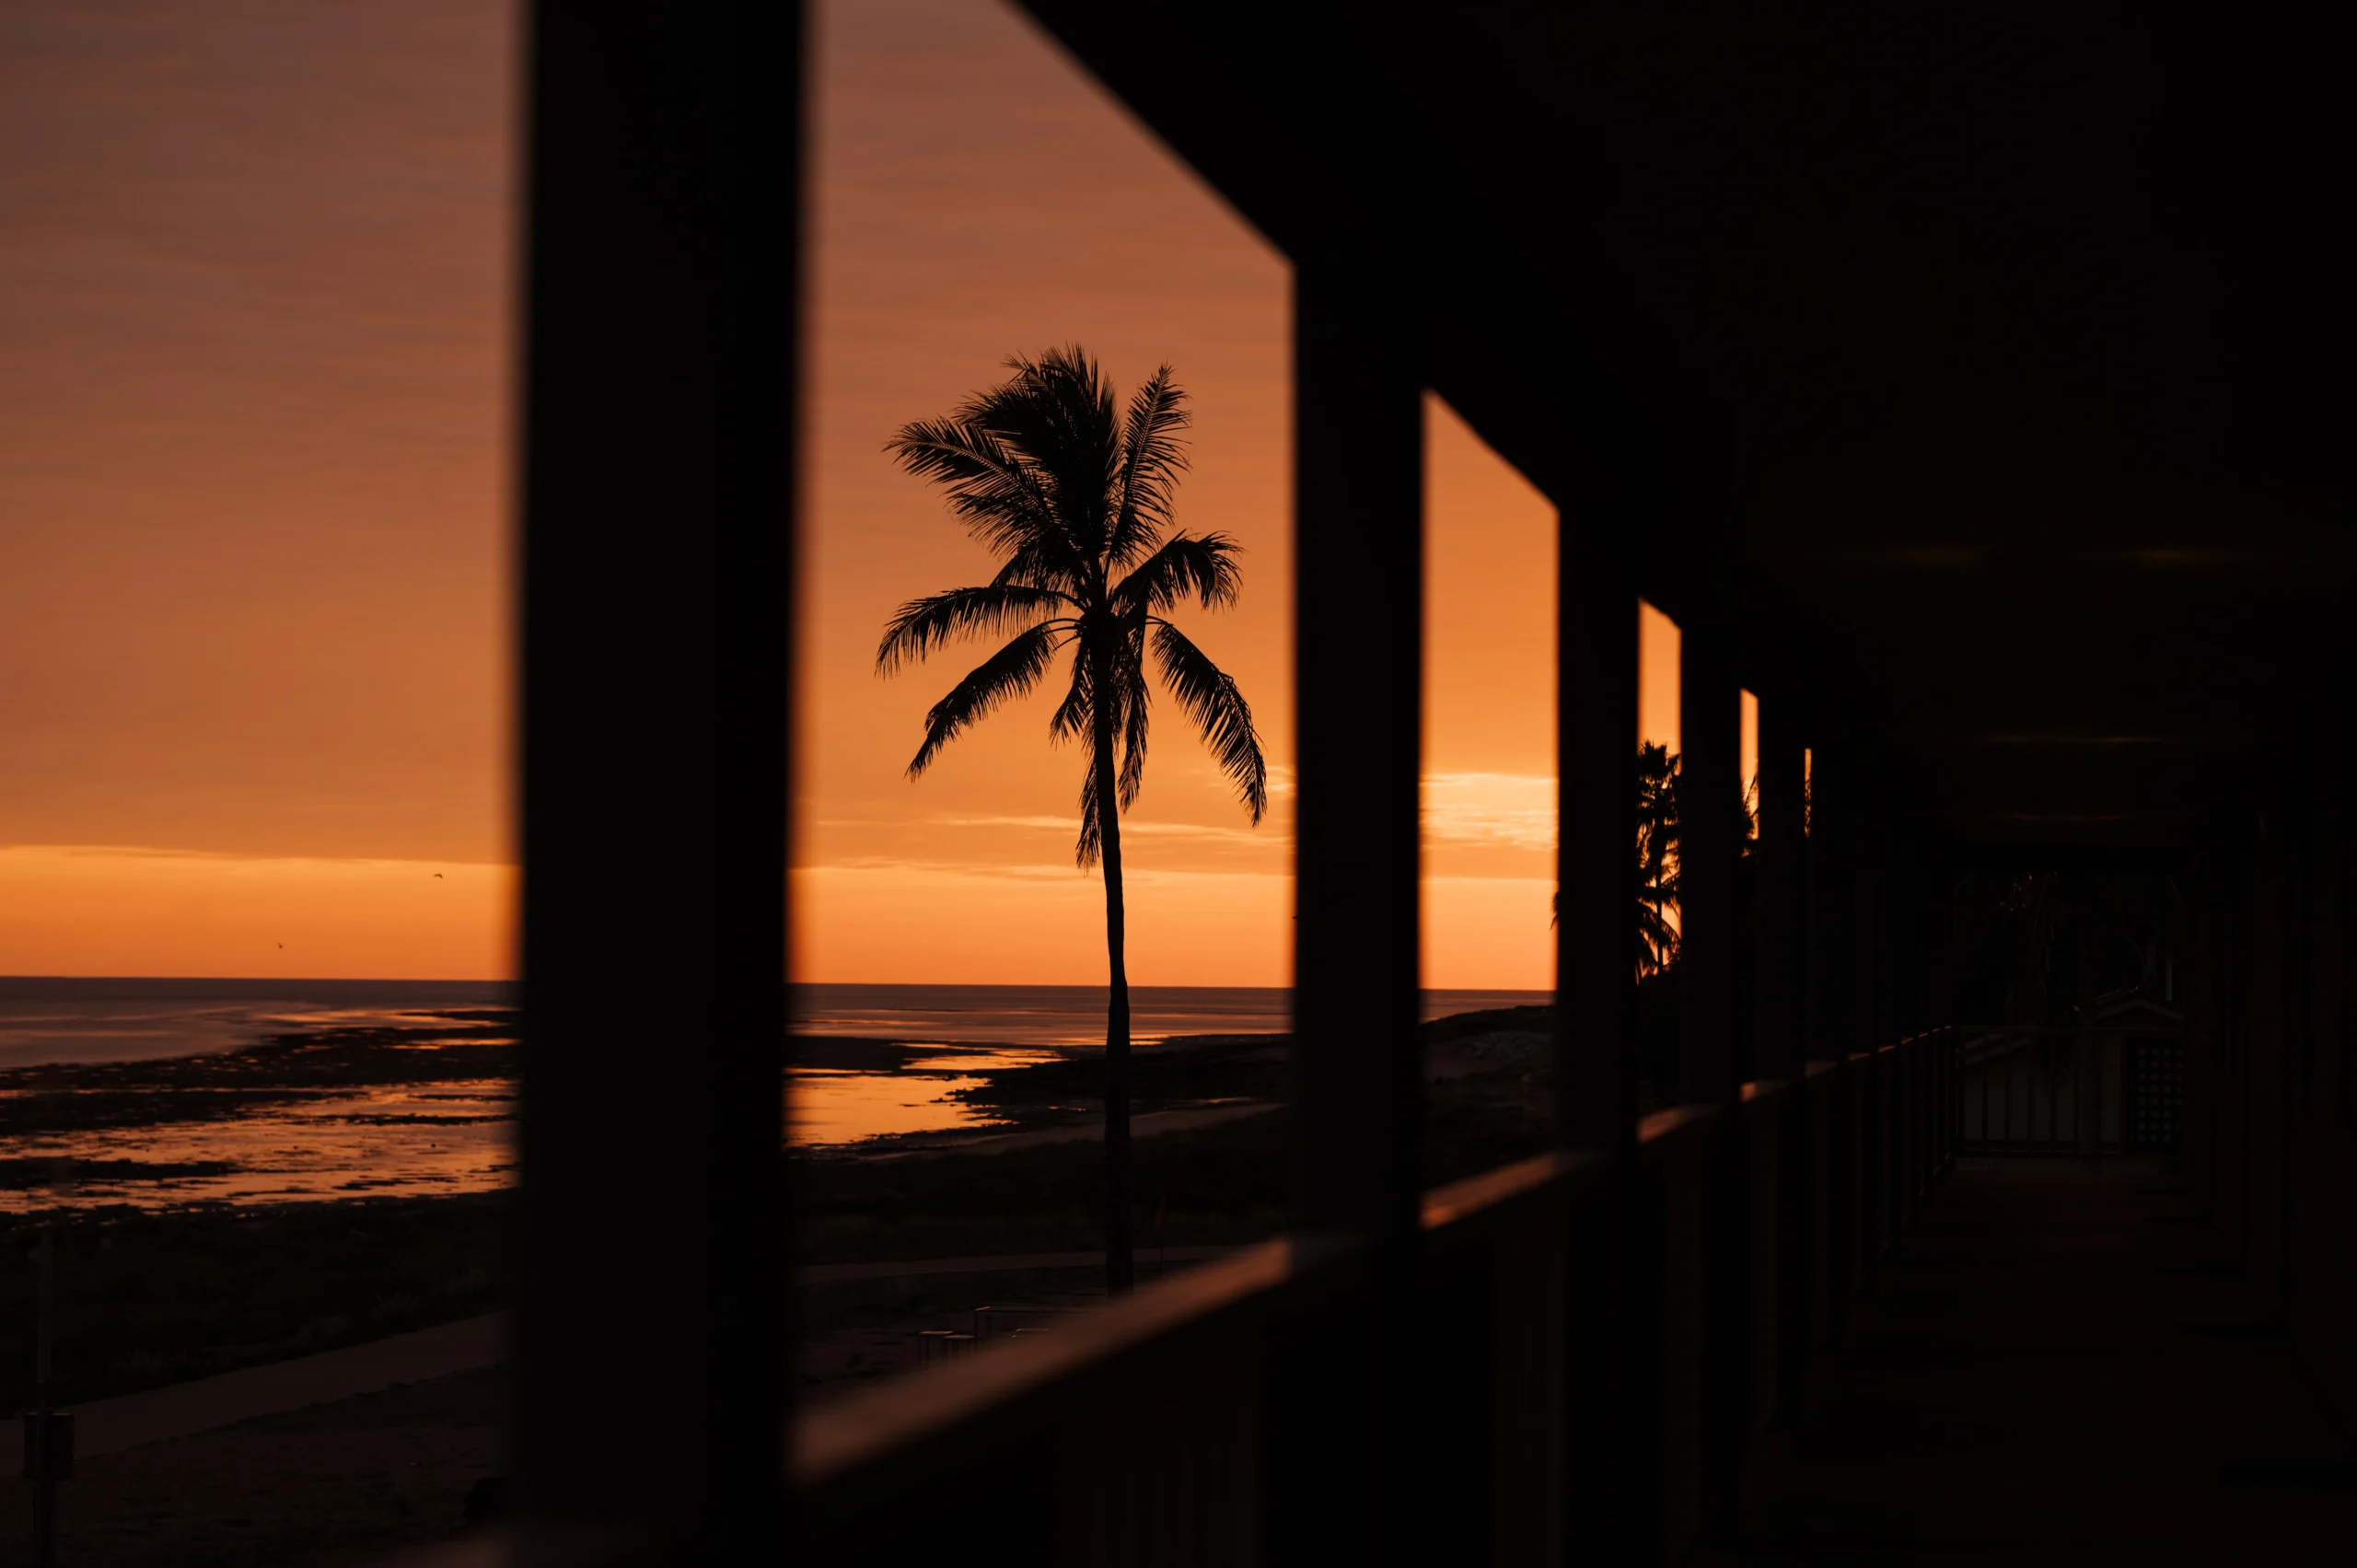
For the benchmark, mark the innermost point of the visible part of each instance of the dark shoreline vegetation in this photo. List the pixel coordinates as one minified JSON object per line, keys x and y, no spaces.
{"x":148,"y":1298}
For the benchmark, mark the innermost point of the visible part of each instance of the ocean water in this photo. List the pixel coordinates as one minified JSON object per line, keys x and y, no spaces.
{"x":47,"y":1019}
{"x":441,"y":1135}
{"x":983,"y":1026}
{"x":1073,"y":1016}
{"x":455,"y":1134}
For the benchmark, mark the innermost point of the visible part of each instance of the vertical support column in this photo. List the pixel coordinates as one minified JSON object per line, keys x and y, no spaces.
{"x":1613,"y":1261}
{"x":1344,"y":1394}
{"x":1834,"y":1015}
{"x":1903,"y":947}
{"x":1869,"y":887}
{"x":2197,"y":980}
{"x":1832,"y":990}
{"x":2086,"y":1070}
{"x":1358,"y":619}
{"x":2266,"y":1103}
{"x":661,"y":270}
{"x":1781,"y":922}
{"x":1940,"y":982}
{"x":2234,"y":987}
{"x":1864,"y":857}
{"x":1778,"y":879}
{"x":1598,"y":1062}
{"x":1710,"y":798}
{"x":1709,"y":824}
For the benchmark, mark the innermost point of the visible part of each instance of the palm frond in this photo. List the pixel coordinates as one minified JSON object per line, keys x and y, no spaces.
{"x":924,"y":624}
{"x":1003,"y":496}
{"x":1092,"y":823}
{"x":1657,"y":860}
{"x":1010,"y":672}
{"x":1074,"y":716}
{"x":1185,"y":564}
{"x":1058,"y":411}
{"x":1153,"y":458}
{"x":1133,"y":728}
{"x":1047,"y":563}
{"x":1129,"y":680}
{"x":1216,"y":705}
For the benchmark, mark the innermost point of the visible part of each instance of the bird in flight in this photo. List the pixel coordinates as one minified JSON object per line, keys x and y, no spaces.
{"x":438,"y":876}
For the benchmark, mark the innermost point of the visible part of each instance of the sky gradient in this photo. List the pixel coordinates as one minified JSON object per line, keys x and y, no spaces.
{"x":254,"y":275}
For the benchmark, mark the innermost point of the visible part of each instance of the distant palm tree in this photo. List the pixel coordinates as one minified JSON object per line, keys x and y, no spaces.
{"x":1075,"y":499}
{"x":1657,"y":859}
{"x":1656,"y":848}
{"x":1658,"y":854}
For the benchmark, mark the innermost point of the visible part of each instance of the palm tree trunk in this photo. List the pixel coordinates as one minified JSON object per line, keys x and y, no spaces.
{"x":1119,"y":1267}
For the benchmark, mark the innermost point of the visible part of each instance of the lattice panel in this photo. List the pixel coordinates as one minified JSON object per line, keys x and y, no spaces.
{"x":2155,"y":1093}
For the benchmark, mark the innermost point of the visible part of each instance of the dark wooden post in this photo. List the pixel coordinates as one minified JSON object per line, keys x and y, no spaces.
{"x":1613,"y":1264}
{"x":1781,"y":922}
{"x":661,"y":267}
{"x":1861,"y":812}
{"x":1868,"y":884}
{"x":1902,"y":945}
{"x":2085,"y":1063}
{"x":1710,"y":798}
{"x":1710,"y":795}
{"x":1358,"y":522}
{"x":1832,"y":999}
{"x":1597,"y":1064}
{"x":1342,"y":1429}
{"x":1834,"y":1022}
{"x":1778,"y":883}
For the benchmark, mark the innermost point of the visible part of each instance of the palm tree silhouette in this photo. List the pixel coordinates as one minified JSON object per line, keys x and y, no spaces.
{"x":1657,"y":858}
{"x":1657,"y":851}
{"x":1076,"y":499}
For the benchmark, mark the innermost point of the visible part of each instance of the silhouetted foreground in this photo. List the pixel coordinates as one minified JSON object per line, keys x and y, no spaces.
{"x":338,"y":1483}
{"x":2057,"y":1367}
{"x":144,"y":1300}
{"x":1964,"y":386}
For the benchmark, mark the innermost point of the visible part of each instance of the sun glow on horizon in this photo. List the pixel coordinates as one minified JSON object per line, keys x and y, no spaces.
{"x":1489,"y":788}
{"x":116,"y":910}
{"x":263,"y":629}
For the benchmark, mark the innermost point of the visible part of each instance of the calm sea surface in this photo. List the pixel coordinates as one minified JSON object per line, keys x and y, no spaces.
{"x":1072,"y":1015}
{"x":455,"y":1134}
{"x":47,"y":1020}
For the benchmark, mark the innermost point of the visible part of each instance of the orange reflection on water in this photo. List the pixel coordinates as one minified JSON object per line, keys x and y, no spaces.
{"x":832,"y":1106}
{"x":282,"y":1141}
{"x":410,"y":1139}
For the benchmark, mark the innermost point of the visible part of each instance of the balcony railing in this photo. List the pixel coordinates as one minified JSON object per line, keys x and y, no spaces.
{"x":1564,"y":1356}
{"x":2027,"y":1089}
{"x":1587,"y":1345}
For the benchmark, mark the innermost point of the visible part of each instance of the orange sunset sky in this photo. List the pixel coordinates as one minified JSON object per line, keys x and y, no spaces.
{"x":254,"y":272}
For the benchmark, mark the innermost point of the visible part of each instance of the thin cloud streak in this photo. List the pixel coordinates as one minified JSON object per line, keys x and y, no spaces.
{"x":1486,"y":810}
{"x":1507,"y":810}
{"x":1032,"y":871}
